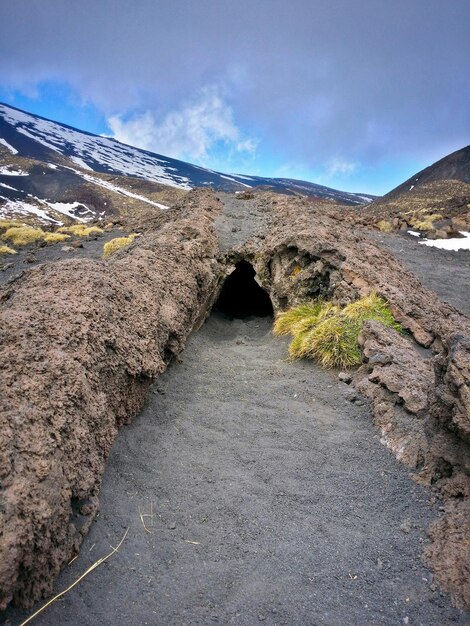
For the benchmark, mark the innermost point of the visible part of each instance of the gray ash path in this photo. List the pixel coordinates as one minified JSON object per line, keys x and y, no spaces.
{"x":240,"y":220}
{"x":272,"y":500}
{"x":446,"y":273}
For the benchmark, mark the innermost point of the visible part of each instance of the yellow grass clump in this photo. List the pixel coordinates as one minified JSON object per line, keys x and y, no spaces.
{"x":5,"y":224}
{"x":23,"y":235}
{"x":384,"y":226}
{"x":80,"y":230}
{"x":7,"y":250}
{"x":116,"y":244}
{"x":328,"y":334}
{"x":55,"y":237}
{"x":426,"y":222}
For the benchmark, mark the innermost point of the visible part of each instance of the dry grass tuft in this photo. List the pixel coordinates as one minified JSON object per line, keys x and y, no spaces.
{"x":23,"y":235}
{"x":7,"y":250}
{"x":117,"y":243}
{"x":328,"y":334}
{"x":384,"y":226}
{"x":55,"y":237}
{"x":5,"y":224}
{"x":81,"y":230}
{"x":426,"y":222}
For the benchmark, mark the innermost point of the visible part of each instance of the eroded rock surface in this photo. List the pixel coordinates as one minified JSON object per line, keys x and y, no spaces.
{"x":84,"y":339}
{"x":81,"y":342}
{"x":421,"y":401}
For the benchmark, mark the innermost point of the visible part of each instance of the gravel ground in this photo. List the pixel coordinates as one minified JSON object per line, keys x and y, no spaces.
{"x":446,"y":273}
{"x":240,"y":220}
{"x":267,"y":496}
{"x":255,"y":491}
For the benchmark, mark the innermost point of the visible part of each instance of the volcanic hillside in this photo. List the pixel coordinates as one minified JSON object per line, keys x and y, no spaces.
{"x":55,"y":172}
{"x":435,"y":199}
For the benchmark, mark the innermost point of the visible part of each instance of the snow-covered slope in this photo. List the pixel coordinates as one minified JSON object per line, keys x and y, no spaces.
{"x":66,"y":158}
{"x":32,"y":136}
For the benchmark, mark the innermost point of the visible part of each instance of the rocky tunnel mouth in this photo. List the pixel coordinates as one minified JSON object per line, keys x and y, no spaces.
{"x":241,"y":296}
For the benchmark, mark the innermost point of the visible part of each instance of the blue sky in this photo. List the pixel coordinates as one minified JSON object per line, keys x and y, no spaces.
{"x":357,"y":95}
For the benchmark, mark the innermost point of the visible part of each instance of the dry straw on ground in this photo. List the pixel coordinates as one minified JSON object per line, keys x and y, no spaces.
{"x":88,"y":571}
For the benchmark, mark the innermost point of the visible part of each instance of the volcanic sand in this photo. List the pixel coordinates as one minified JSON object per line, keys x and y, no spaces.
{"x":266,"y":497}
{"x":255,"y":490}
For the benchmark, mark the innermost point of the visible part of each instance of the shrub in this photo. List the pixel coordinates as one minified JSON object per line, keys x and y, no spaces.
{"x":80,"y":230}
{"x":426,"y":222}
{"x":117,"y":243}
{"x":55,"y":237}
{"x":5,"y":224}
{"x":332,"y":342}
{"x":328,"y":334}
{"x":384,"y":226}
{"x":22,"y":235}
{"x":298,"y":319}
{"x":7,"y":250}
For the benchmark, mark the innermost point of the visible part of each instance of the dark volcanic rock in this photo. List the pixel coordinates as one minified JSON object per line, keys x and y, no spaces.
{"x":81,"y":342}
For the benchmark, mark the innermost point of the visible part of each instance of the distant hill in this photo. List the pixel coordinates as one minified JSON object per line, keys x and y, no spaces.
{"x":437,"y":199}
{"x":45,"y":163}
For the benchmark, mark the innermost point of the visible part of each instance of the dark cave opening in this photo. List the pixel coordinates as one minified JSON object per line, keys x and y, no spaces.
{"x":241,"y":296}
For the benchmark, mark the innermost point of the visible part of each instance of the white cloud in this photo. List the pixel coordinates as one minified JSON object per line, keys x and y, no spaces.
{"x":190,"y":132}
{"x":340,"y":166}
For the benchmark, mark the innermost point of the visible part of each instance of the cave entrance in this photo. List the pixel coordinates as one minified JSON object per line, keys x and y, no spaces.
{"x":241,"y":296}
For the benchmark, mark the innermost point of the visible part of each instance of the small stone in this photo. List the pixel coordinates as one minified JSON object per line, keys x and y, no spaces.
{"x":344,"y":377}
{"x":379,"y":358}
{"x":261,"y":617}
{"x":67,"y":248}
{"x":406,"y":526}
{"x":172,"y":526}
{"x":351,"y":395}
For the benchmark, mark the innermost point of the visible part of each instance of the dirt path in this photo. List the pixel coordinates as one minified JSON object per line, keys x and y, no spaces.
{"x":240,"y":220}
{"x":446,"y":273}
{"x":273,"y":502}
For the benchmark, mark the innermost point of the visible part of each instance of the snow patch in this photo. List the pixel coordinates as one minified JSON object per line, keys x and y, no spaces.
{"x":107,"y":185}
{"x":4,"y":171}
{"x":415,"y":233}
{"x":7,"y":187}
{"x":450,"y":244}
{"x":81,"y":163}
{"x":7,"y":145}
{"x":235,"y":181}
{"x":69,"y":209}
{"x":24,"y":208}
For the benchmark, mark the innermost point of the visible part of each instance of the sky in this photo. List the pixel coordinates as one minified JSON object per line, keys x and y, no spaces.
{"x":353,"y":94}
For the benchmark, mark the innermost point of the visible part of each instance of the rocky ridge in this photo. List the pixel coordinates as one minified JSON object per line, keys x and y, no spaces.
{"x":69,"y":387}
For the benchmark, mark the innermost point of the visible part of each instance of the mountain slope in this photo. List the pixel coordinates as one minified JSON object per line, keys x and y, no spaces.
{"x":455,"y":166}
{"x":73,"y":153}
{"x":436,"y":199}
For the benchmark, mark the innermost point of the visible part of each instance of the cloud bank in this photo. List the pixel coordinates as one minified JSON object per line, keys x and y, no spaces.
{"x":363,"y":82}
{"x":189,"y":133}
